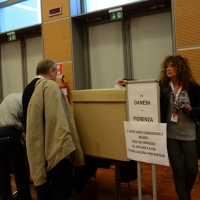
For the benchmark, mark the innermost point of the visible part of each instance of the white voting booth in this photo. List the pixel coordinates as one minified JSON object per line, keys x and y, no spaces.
{"x":145,"y":136}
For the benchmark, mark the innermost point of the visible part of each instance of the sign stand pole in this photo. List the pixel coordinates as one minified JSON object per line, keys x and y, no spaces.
{"x":139,"y":181}
{"x":140,"y":197}
{"x":145,"y":197}
{"x":154,"y":182}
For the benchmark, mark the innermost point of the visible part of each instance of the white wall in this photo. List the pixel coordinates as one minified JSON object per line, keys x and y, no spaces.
{"x":151,"y":42}
{"x":11,"y":68}
{"x":34,"y":54}
{"x":106,"y":54}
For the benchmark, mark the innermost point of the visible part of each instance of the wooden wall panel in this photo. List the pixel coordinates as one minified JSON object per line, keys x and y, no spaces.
{"x":68,"y":72}
{"x":194,"y":57}
{"x":57,"y":41}
{"x":187,"y":16}
{"x":47,"y":4}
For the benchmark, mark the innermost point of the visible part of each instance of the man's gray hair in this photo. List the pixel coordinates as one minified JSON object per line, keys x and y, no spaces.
{"x":44,"y":66}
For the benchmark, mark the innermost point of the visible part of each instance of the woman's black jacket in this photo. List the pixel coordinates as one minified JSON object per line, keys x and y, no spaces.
{"x":194,"y":96}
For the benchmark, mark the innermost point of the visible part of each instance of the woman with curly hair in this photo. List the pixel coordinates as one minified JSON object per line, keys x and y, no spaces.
{"x":180,"y":106}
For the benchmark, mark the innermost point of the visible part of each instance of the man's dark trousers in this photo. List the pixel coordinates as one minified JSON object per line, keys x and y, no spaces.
{"x":13,"y":160}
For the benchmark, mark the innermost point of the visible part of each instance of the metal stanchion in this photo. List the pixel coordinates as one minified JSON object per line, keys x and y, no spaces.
{"x":139,"y":181}
{"x":117,"y":181}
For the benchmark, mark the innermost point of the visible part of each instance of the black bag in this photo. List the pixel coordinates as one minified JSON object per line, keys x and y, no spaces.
{"x":128,"y":171}
{"x":198,"y":137}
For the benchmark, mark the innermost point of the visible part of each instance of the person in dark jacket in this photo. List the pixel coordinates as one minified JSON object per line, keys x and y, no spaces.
{"x":180,"y":106}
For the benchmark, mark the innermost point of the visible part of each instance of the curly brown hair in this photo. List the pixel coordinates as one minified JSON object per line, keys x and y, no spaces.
{"x":182,"y":66}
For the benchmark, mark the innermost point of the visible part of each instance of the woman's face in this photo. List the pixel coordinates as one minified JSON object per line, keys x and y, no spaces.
{"x":171,"y":71}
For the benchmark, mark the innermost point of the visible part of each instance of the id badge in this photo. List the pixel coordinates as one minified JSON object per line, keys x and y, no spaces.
{"x":174,"y":117}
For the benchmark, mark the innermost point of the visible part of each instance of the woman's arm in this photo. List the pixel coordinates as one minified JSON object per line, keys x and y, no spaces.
{"x":121,"y":82}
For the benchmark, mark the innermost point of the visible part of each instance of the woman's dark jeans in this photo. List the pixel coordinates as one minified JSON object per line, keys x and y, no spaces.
{"x":184,"y":162}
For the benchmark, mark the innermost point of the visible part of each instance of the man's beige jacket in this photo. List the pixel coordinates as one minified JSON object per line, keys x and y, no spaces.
{"x":51,"y":131}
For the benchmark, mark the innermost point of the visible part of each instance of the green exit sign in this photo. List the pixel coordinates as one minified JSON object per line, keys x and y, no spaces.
{"x":116,"y":15}
{"x":11,"y":37}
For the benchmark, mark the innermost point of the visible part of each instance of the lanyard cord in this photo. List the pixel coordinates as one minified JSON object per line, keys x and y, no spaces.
{"x":175,"y":96}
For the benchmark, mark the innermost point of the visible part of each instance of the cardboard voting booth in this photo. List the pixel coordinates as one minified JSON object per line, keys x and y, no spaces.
{"x":99,"y":116}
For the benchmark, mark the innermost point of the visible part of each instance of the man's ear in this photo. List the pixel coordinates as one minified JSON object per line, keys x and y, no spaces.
{"x":50,"y":71}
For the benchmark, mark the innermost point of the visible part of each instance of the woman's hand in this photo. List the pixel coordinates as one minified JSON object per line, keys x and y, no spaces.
{"x":121,"y":82}
{"x":186,"y":107}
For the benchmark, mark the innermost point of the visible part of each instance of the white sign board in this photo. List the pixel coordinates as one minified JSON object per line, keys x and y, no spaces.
{"x":146,"y":143}
{"x":145,"y":136}
{"x":143,"y":101}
